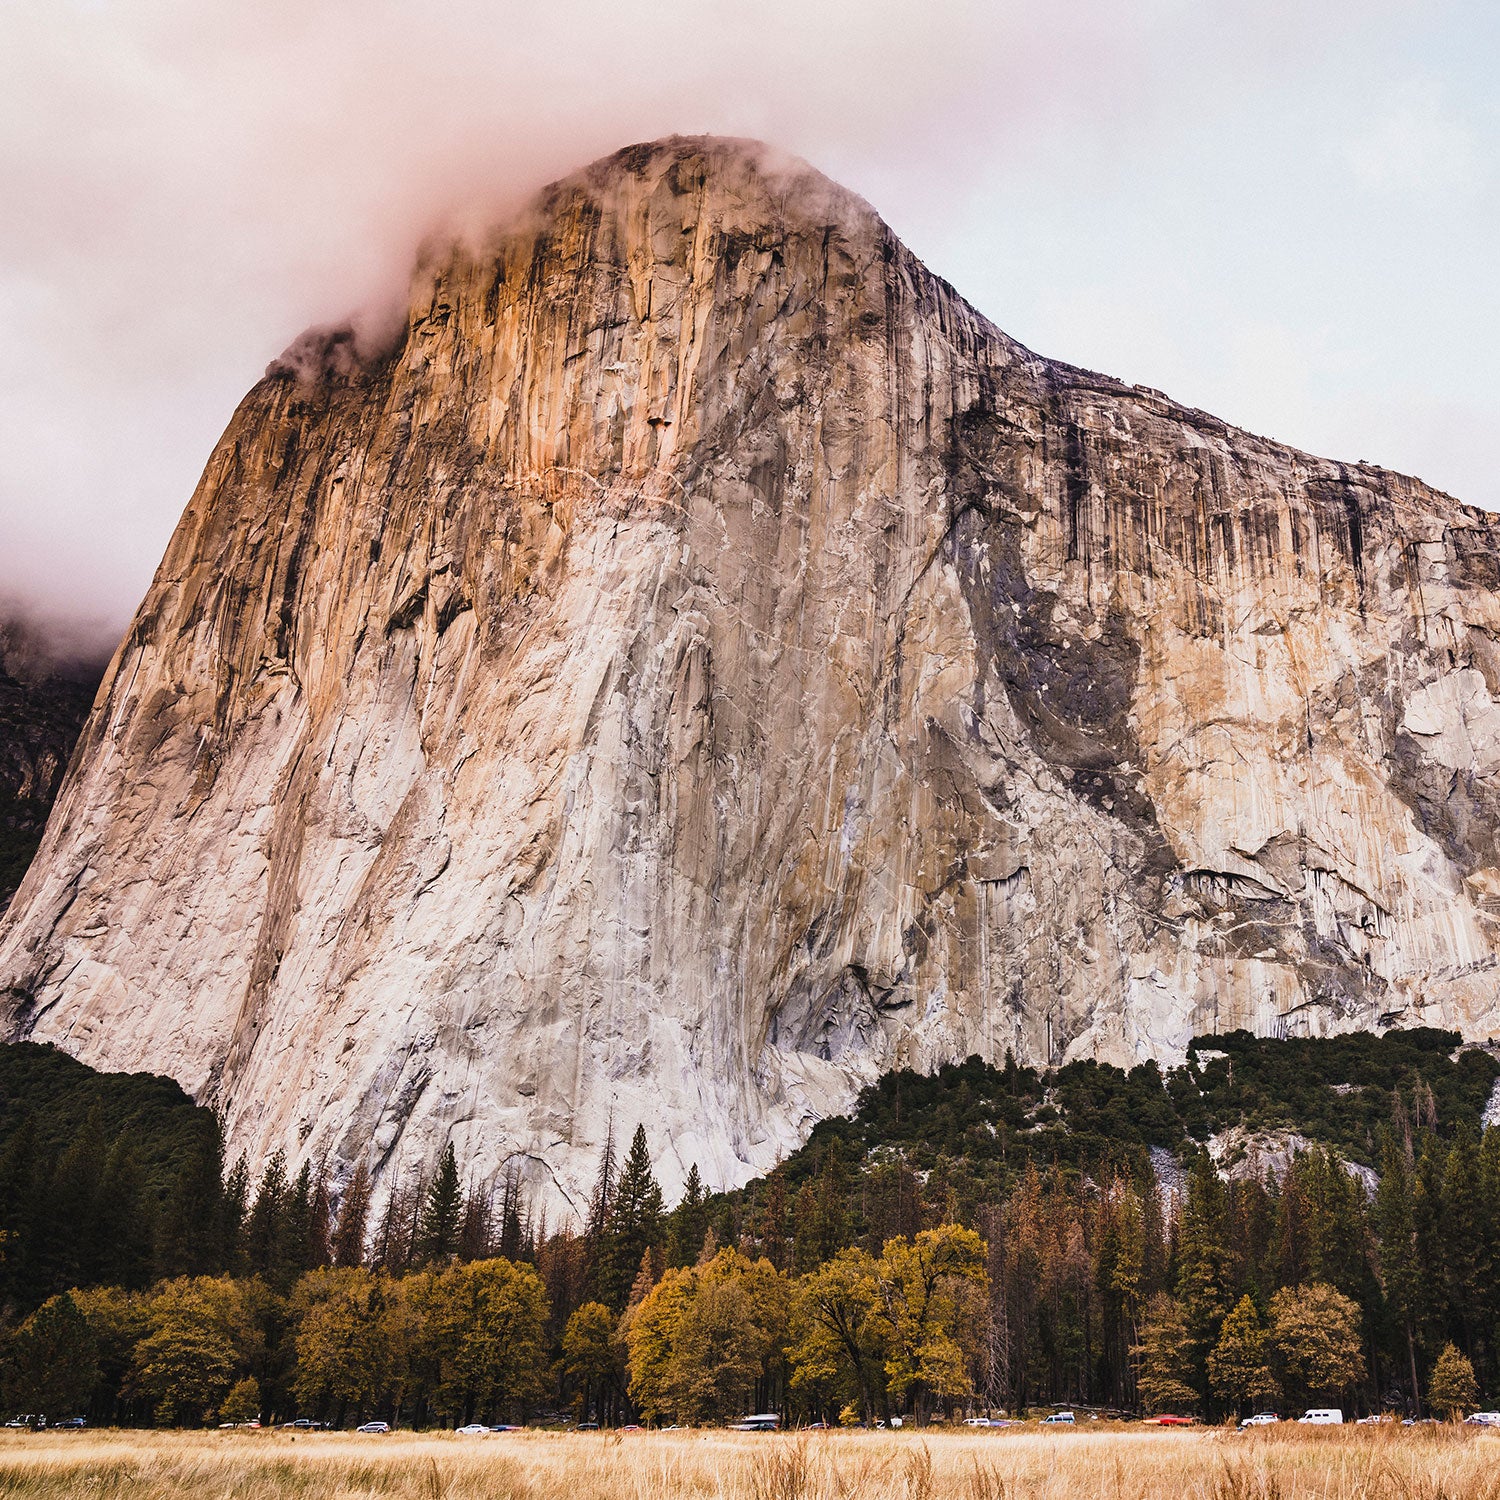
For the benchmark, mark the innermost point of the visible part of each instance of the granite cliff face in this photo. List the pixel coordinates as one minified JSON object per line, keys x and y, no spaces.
{"x":707,"y":664}
{"x":44,"y":700}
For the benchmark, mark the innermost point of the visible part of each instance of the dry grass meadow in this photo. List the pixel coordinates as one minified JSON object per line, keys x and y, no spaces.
{"x":1116,"y":1463}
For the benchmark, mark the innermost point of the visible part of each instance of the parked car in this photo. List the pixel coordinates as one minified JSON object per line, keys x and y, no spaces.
{"x":27,"y":1421}
{"x":1260,"y":1419}
{"x":1064,"y":1418}
{"x":71,"y":1424}
{"x":764,"y":1421}
{"x":473,"y":1429}
{"x":302,"y":1424}
{"x":976,"y":1421}
{"x":587,"y":1427}
{"x":1322,"y":1416}
{"x":374,"y":1427}
{"x":1483,"y":1419}
{"x":1168,"y":1420}
{"x":505,"y":1427}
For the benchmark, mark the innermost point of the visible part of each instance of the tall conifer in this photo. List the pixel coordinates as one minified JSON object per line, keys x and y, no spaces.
{"x":436,"y":1238}
{"x":634,"y":1225}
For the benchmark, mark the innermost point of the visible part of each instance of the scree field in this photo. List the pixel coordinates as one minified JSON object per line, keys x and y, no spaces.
{"x":1117,"y":1464}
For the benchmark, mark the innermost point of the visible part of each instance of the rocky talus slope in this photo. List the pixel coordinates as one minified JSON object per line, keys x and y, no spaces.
{"x":706,"y":664}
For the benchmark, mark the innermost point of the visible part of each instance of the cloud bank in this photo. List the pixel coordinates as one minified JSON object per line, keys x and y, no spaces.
{"x":1283,"y":212}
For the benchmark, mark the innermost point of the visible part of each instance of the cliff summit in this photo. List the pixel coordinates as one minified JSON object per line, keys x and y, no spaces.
{"x":706,"y":664}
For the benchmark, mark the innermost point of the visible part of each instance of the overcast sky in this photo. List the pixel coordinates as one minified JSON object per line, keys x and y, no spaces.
{"x":1286,"y":213}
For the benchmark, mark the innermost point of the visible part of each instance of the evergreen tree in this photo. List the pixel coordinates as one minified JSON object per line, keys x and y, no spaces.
{"x":831,"y":1232}
{"x":297,"y":1230}
{"x":348,"y":1241}
{"x":442,"y":1213}
{"x":1290,"y":1263}
{"x":513,"y":1213}
{"x":19,"y":1199}
{"x":1204,"y":1287}
{"x":233,"y":1204}
{"x":266,"y":1249}
{"x":392,"y":1249}
{"x":602,"y":1201}
{"x":688,"y":1222}
{"x":772,"y":1227}
{"x":1401,"y":1275}
{"x":474,"y":1234}
{"x":1466,"y":1266}
{"x":125,"y":1226}
{"x":317,"y":1248}
{"x":634,"y":1225}
{"x":1336,"y":1231}
{"x":52,"y":1364}
{"x":69,"y":1232}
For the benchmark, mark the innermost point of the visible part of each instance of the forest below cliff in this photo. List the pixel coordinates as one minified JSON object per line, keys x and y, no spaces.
{"x":983,"y":1238}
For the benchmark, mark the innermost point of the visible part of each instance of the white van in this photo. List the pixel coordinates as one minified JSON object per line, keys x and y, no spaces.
{"x":1323,"y":1416}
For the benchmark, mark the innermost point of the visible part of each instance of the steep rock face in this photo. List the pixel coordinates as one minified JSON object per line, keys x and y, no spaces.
{"x":44,"y":700}
{"x":707,"y":664}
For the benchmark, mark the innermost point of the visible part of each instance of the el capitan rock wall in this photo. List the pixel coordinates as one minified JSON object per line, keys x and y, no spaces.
{"x":707,"y":664}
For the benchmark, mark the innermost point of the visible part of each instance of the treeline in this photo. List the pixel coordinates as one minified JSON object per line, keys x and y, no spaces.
{"x":984,"y":1237}
{"x":105,"y":1179}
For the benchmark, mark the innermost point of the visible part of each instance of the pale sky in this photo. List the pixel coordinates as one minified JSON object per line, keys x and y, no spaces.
{"x":1285,"y":213}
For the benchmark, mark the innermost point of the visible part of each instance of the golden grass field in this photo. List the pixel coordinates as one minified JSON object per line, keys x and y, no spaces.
{"x":1111,"y":1463}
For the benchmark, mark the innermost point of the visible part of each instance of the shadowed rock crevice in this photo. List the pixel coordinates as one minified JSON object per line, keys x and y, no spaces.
{"x":701,"y":663}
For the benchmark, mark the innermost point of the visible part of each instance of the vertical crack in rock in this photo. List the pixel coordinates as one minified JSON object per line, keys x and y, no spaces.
{"x":703,"y":664}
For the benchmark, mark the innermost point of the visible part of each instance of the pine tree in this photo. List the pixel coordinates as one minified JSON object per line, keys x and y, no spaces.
{"x":688,"y":1222}
{"x":1203,"y":1277}
{"x":1336,"y":1227}
{"x":514,"y":1236}
{"x":392,"y":1248}
{"x":20,"y":1196}
{"x":772,"y":1227}
{"x":436,"y":1238}
{"x":634,"y":1225}
{"x":71,"y":1211}
{"x":232,"y":1208}
{"x":265,"y":1229}
{"x":52,"y":1364}
{"x":125,"y":1225}
{"x":1464,"y":1238}
{"x":348,"y":1243}
{"x":297,"y":1231}
{"x":474,"y":1237}
{"x":1289,"y":1255}
{"x":831,"y":1232}
{"x":602,"y":1202}
{"x":805,"y":1230}
{"x":318,"y":1241}
{"x":1395,"y":1227}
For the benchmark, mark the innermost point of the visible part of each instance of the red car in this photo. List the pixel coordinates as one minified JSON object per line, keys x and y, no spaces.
{"x":1173,"y":1421}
